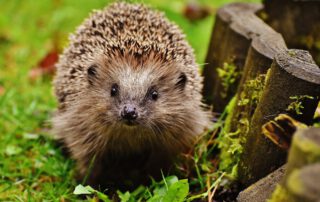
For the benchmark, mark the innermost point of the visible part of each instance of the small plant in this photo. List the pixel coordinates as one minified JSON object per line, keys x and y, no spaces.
{"x":170,"y":189}
{"x":88,"y":190}
{"x":252,"y":91}
{"x":228,"y":74}
{"x":296,"y":106}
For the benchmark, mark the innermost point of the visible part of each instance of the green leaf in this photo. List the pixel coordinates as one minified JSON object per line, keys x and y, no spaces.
{"x":155,"y":198}
{"x":30,"y":136}
{"x":102,"y":196}
{"x":160,"y":190}
{"x":124,"y":197}
{"x":140,"y":190}
{"x":177,"y":192}
{"x":171,"y":180}
{"x":12,"y":150}
{"x":80,"y":189}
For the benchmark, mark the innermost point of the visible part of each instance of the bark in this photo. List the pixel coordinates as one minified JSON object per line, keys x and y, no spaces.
{"x":303,"y":184}
{"x":298,"y":22}
{"x":262,"y":190}
{"x":293,"y":74}
{"x":305,"y":149}
{"x":302,"y":176}
{"x":260,"y":56}
{"x":234,"y":28}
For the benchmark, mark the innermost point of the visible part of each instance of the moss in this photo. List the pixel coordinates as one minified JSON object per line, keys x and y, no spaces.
{"x":291,"y":53}
{"x":229,"y":110}
{"x":244,"y":123}
{"x":230,"y":152}
{"x":296,"y":106}
{"x":243,"y":101}
{"x":308,"y":147}
{"x":280,"y":194}
{"x":263,"y":15}
{"x":228,"y":74}
{"x":294,"y":183}
{"x":317,"y":117}
{"x":248,"y":101}
{"x":308,"y":41}
{"x":229,"y":143}
{"x":252,"y":91}
{"x":317,"y":45}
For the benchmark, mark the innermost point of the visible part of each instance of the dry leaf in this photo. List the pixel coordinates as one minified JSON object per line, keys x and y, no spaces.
{"x":46,"y":66}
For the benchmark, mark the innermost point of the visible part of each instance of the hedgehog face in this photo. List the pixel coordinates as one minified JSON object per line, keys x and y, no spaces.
{"x":139,"y":96}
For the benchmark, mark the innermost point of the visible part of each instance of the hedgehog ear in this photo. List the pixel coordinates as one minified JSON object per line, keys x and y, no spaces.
{"x":182,"y":80}
{"x":92,"y":73}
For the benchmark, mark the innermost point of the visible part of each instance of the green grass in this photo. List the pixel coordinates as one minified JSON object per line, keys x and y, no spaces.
{"x":32,"y":168}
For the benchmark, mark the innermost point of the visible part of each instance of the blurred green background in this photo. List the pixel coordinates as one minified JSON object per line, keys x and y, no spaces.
{"x":31,"y":166}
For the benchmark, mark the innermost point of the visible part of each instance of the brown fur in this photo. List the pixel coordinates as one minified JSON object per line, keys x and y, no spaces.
{"x":136,"y":48}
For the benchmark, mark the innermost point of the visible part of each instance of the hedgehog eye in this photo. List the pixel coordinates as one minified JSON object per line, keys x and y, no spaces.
{"x":114,"y":90}
{"x":154,"y":95}
{"x":182,"y":80}
{"x":92,"y":70}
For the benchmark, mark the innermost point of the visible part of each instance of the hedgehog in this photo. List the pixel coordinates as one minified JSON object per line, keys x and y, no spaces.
{"x":129,"y":95}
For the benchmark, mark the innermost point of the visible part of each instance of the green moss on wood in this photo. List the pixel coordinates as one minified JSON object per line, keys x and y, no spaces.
{"x":229,"y":143}
{"x":307,"y":146}
{"x":229,"y":75}
{"x":252,"y":91}
{"x":280,"y":194}
{"x":317,"y":117}
{"x":292,"y":53}
{"x":296,"y":106}
{"x":294,"y":183}
{"x":230,"y":110}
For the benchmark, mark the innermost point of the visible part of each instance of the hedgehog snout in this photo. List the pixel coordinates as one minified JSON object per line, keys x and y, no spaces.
{"x":129,"y":113}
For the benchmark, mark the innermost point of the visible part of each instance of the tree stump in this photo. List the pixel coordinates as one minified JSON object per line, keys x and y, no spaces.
{"x":266,"y":43}
{"x":262,"y":51}
{"x":302,"y":176}
{"x":227,"y":52}
{"x":292,"y":87}
{"x":305,"y":149}
{"x":303,"y":184}
{"x":298,"y":21}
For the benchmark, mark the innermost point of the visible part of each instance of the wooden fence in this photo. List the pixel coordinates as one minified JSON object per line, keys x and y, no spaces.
{"x":249,"y":60}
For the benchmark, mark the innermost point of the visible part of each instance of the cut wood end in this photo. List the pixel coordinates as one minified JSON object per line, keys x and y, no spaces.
{"x":300,"y":64}
{"x":269,"y":44}
{"x":231,"y":10}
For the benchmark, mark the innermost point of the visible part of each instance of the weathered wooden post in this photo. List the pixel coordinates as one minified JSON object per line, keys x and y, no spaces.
{"x":261,"y":53}
{"x":262,"y":190}
{"x":265,"y":44}
{"x":227,"y":53}
{"x":293,"y":87}
{"x":303,"y":184}
{"x":298,"y":180}
{"x":298,"y":21}
{"x":302,"y":176}
{"x":241,"y":52}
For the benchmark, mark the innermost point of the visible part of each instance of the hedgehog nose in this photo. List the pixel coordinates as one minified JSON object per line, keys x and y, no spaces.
{"x":129,"y":113}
